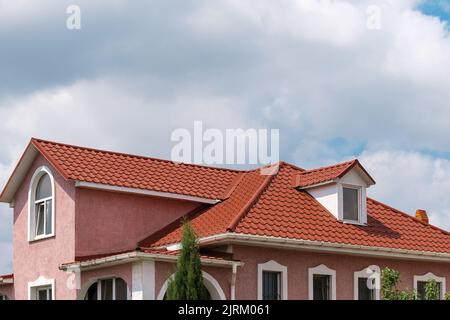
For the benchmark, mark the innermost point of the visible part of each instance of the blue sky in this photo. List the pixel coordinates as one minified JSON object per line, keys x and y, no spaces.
{"x":437,"y":8}
{"x":336,"y":88}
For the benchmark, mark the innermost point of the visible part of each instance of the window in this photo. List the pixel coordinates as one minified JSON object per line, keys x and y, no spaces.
{"x":107,"y":289}
{"x":421,"y":281}
{"x":3,"y":297}
{"x":366,"y":291}
{"x":41,"y":289}
{"x":272,"y":281}
{"x":351,"y":204}
{"x":421,"y":293}
{"x":367,"y":283}
{"x":41,"y":205}
{"x":271,"y":285}
{"x":321,"y":287}
{"x":321,"y":283}
{"x":43,"y":293}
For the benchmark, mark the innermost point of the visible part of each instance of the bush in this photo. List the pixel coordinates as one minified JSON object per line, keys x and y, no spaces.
{"x":432,"y":290}
{"x":389,"y":280}
{"x":187,"y":283}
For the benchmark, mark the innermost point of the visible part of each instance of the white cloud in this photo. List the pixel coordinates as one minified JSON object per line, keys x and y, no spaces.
{"x":411,"y":181}
{"x":309,"y":67}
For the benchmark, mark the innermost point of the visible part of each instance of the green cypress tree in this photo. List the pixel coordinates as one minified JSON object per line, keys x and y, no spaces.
{"x":187,"y":283}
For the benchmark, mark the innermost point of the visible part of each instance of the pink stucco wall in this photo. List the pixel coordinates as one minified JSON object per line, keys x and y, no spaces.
{"x":164,"y":270}
{"x":119,"y":271}
{"x":42,"y":258}
{"x":298,"y":262}
{"x":113,"y":222}
{"x":7,"y":290}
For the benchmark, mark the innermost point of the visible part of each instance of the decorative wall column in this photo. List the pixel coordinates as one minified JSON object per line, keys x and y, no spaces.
{"x":143,"y":280}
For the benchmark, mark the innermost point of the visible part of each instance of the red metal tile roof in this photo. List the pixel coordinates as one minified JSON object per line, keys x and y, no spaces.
{"x":118,"y":169}
{"x":283,"y":211}
{"x":252,"y":203}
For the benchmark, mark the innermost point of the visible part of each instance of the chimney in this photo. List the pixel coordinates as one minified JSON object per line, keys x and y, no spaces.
{"x":422,"y":215}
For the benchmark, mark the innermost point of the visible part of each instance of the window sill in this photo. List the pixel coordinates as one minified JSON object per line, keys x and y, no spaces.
{"x":354,"y":222}
{"x":39,"y":238}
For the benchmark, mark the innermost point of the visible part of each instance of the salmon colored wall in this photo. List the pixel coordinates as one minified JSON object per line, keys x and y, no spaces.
{"x":164,"y":270}
{"x":7,"y":290}
{"x":120,"y":271}
{"x":298,"y":263}
{"x":43,"y":257}
{"x":112,"y":222}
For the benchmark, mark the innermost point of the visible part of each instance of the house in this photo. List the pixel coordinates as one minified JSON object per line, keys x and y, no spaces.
{"x":92,"y":224}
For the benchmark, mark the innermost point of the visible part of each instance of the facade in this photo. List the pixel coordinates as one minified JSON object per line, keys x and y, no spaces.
{"x":92,"y":224}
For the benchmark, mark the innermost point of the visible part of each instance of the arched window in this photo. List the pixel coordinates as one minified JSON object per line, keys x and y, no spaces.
{"x":107,"y":289}
{"x":41,"y":205}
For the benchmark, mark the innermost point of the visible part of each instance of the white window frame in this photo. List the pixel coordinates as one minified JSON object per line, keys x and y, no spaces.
{"x":32,"y":223}
{"x":38,"y":284}
{"x":99,"y":287}
{"x":431,"y":276}
{"x":273,"y":266}
{"x":372,"y":272}
{"x":360,"y":207}
{"x":321,"y":270}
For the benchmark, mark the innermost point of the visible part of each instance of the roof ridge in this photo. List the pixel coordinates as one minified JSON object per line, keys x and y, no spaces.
{"x":330,"y":166}
{"x":233,"y":185}
{"x":409,"y":216}
{"x":284,"y":163}
{"x":251,"y":202}
{"x":38,"y":140}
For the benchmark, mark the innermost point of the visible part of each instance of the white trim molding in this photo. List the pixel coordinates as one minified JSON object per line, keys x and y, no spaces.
{"x":371,"y":273}
{"x":169,"y":195}
{"x":321,"y":270}
{"x":138,"y":256}
{"x":274,"y":267}
{"x":431,"y":276}
{"x":40,"y":282}
{"x":31,"y":203}
{"x":321,"y":246}
{"x":213,"y":286}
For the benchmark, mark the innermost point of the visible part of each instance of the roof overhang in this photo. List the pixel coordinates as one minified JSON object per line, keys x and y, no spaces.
{"x":321,"y":246}
{"x":356,"y":167}
{"x":139,"y":256}
{"x":169,"y":195}
{"x":5,"y":280}
{"x":19,"y":173}
{"x":32,"y":150}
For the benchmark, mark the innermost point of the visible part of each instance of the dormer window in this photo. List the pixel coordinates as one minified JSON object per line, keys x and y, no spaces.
{"x":351,"y":203}
{"x":341,"y":189}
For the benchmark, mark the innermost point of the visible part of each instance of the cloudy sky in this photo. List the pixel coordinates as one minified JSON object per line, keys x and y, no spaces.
{"x":337,"y":79}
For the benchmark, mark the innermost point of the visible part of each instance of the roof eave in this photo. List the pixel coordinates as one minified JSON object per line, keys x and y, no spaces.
{"x":136,"y":256}
{"x":321,"y":246}
{"x":19,"y":173}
